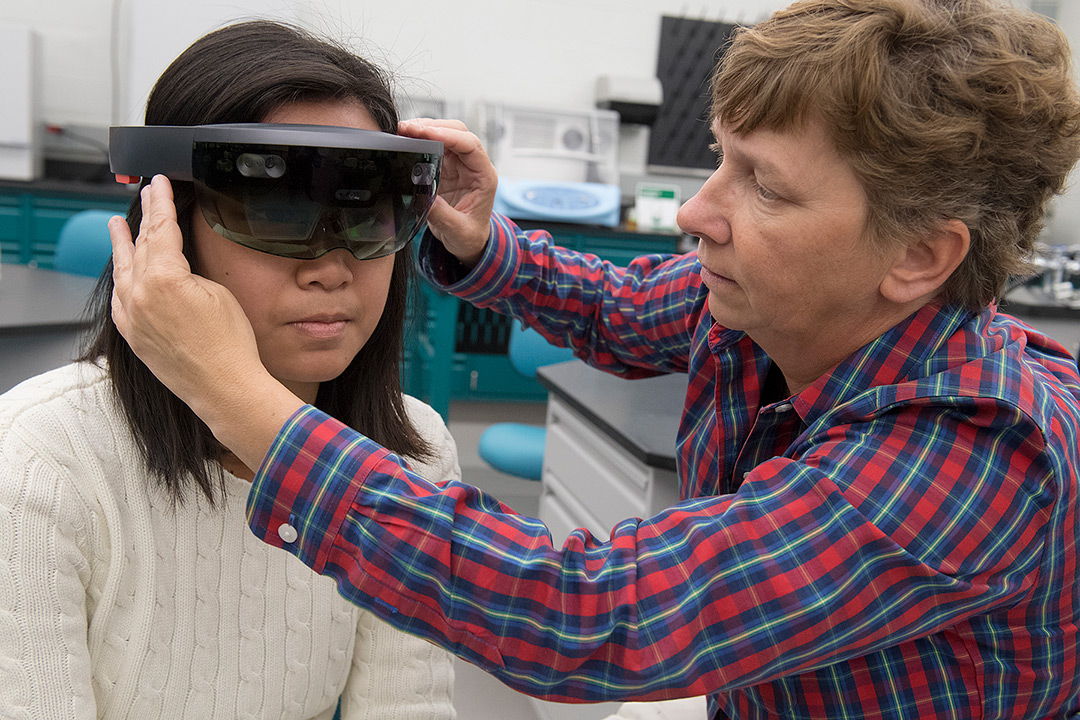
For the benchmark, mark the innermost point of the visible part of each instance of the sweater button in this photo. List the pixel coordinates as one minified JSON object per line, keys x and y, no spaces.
{"x":287,"y":532}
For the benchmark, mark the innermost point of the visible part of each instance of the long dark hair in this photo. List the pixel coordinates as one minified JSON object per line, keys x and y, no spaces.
{"x":241,"y":73}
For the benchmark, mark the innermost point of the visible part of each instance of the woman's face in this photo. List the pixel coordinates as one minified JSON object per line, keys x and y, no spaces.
{"x":311,"y":317}
{"x":784,"y":247}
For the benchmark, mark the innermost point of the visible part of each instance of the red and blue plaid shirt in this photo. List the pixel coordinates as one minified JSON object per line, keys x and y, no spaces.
{"x":899,"y":540}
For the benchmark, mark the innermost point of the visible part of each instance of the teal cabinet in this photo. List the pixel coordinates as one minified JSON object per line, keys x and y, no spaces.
{"x":13,"y":229}
{"x":31,"y":215}
{"x":458,"y":352}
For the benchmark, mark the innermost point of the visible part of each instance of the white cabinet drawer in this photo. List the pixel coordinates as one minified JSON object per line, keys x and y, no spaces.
{"x":563,"y":515}
{"x":596,"y":473}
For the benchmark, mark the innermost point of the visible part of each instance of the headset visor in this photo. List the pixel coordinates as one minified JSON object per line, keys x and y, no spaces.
{"x":301,"y":191}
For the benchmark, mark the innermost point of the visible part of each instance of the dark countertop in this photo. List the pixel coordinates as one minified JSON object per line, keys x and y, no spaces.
{"x":641,"y":416}
{"x":37,"y":298}
{"x":52,"y":186}
{"x":558,"y":229}
{"x":1032,"y":301}
{"x":1051,"y":317}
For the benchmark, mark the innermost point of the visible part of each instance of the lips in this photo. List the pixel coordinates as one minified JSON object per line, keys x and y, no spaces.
{"x":321,"y":326}
{"x":711,"y":278}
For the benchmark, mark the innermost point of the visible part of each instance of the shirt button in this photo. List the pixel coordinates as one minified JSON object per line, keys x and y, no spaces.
{"x":287,"y":532}
{"x":784,"y":407}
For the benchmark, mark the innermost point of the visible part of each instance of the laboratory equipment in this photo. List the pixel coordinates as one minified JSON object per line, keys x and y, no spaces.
{"x":556,"y":165}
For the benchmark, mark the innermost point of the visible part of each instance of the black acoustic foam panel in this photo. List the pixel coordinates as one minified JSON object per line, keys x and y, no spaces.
{"x":688,"y":53}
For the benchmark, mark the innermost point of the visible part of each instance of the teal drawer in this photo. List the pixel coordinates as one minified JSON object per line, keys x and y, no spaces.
{"x":30,"y":221}
{"x":11,"y":232}
{"x":491,"y":377}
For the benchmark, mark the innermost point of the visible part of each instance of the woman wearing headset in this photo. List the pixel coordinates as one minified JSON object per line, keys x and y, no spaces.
{"x":129,"y":587}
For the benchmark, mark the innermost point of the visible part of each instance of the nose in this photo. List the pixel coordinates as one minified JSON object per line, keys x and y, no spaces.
{"x":706,"y":214}
{"x":330,"y":271}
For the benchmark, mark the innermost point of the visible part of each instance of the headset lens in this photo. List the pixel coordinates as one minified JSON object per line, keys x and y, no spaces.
{"x":302,"y":201}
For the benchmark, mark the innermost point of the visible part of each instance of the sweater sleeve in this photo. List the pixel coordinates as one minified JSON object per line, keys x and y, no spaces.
{"x":394,"y":675}
{"x":44,"y":571}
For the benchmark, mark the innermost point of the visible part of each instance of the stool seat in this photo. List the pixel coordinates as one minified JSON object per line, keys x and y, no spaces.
{"x":514,"y":448}
{"x":83,"y":246}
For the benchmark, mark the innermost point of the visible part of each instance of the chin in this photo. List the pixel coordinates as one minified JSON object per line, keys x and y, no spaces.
{"x":728,"y":317}
{"x":323,"y":372}
{"x":724,"y":317}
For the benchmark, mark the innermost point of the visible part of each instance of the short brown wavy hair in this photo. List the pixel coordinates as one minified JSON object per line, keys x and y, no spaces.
{"x":961,"y":109}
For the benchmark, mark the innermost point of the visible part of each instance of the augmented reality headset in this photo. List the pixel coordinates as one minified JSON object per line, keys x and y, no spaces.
{"x":297,"y":191}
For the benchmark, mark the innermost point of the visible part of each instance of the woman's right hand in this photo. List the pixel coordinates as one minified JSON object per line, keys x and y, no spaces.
{"x":192,"y":333}
{"x":461,"y":213}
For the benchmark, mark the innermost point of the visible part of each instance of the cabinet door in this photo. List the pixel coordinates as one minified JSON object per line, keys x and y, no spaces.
{"x":48,"y":215}
{"x":30,"y":221}
{"x":13,"y":223}
{"x":560,"y":521}
{"x":597,"y":474}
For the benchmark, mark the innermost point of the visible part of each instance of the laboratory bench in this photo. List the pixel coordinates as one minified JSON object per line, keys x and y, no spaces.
{"x":41,"y":320}
{"x":618,"y":434}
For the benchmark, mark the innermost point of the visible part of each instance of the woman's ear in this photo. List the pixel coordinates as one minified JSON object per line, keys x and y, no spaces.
{"x":921,"y":268}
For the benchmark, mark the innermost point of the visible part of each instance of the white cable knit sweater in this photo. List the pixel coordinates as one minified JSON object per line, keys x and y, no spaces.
{"x":113,"y":605}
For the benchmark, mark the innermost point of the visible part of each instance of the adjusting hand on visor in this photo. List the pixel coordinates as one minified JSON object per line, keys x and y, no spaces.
{"x":460,"y":216}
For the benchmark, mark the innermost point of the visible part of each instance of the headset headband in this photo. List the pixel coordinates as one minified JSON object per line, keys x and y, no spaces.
{"x":146,"y":150}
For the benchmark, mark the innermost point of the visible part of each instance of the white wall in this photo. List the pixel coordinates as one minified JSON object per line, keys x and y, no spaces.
{"x":1063,"y":225}
{"x":74,"y":40}
{"x":100,"y":57}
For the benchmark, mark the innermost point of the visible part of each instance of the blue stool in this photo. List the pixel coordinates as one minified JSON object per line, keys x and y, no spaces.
{"x":83,"y":246}
{"x":516,"y":448}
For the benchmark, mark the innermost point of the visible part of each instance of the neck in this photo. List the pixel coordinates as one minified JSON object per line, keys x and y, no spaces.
{"x":803,"y":361}
{"x":303,"y":390}
{"x":233,"y":464}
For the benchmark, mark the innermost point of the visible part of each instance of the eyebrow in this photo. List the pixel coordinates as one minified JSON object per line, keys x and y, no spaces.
{"x":755,"y":159}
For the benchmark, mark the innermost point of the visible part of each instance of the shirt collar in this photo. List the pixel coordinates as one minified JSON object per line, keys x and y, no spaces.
{"x":895,"y":356}
{"x":890,"y":359}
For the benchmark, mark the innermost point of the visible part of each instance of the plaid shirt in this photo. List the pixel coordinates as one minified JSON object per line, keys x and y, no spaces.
{"x":899,"y":540}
